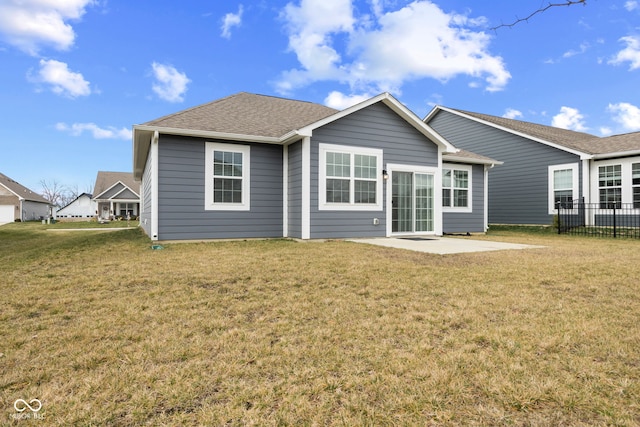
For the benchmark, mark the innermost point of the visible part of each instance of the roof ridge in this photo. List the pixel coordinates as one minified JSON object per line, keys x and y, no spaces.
{"x":479,"y":115}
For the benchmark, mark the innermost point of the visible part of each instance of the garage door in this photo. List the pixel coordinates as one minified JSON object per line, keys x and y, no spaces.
{"x":6,"y":213}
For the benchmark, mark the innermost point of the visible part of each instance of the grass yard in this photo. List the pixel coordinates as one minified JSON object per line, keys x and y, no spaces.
{"x":105,"y":331}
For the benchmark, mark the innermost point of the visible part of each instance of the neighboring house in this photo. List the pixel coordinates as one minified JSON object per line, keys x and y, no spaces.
{"x":251,"y":166}
{"x":116,"y":195}
{"x":82,"y":208}
{"x":544,"y":165}
{"x":18,"y":203}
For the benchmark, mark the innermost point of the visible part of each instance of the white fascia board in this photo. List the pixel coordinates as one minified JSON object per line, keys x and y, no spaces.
{"x":604,"y":156}
{"x":210,"y":134}
{"x":13,"y":192}
{"x":452,"y":158}
{"x":582,"y":154}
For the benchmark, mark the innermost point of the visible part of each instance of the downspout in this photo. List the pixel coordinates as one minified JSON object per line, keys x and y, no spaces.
{"x":154,"y":185}
{"x":306,"y":188}
{"x":285,"y":191}
{"x":486,"y":196}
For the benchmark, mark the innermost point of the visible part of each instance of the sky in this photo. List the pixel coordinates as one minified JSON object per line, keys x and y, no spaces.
{"x":76,"y":75}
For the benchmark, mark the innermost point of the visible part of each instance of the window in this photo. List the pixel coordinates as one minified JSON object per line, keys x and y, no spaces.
{"x":635,"y":184}
{"x":350,"y":178}
{"x":456,"y":188}
{"x":227,"y":176}
{"x":563,"y":186}
{"x":127,"y":209}
{"x":610,"y":186}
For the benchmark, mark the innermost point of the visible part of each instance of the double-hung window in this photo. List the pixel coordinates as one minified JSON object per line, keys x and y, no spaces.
{"x":610,"y":186}
{"x":456,"y":188}
{"x":350,"y":178}
{"x":227,"y":176}
{"x":563,"y":186}
{"x":635,"y":184}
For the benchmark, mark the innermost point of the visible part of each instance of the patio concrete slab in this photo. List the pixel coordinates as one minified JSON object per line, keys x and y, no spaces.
{"x":443,"y":245}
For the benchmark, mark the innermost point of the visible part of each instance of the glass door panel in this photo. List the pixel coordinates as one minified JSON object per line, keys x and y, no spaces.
{"x":402,"y":202}
{"x":424,"y":202}
{"x":412,"y":202}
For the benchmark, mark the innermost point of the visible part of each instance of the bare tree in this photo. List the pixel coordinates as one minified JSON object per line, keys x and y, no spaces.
{"x":541,"y":10}
{"x":56,"y":193}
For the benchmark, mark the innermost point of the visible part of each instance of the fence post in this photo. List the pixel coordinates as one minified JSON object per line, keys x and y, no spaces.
{"x":558,"y":205}
{"x":614,"y":220}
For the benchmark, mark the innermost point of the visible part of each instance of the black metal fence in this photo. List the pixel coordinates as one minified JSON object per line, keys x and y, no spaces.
{"x":599,"y":219}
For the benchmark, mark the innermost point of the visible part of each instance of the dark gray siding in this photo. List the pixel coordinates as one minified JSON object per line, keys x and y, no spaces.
{"x":518,"y":189}
{"x":294,"y":191}
{"x":379,"y":127}
{"x":112,"y":191}
{"x":126,"y":195}
{"x":471,"y":222}
{"x":181,"y":186}
{"x":146,"y":196}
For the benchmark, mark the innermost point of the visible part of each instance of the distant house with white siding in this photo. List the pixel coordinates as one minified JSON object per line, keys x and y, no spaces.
{"x":82,"y":208}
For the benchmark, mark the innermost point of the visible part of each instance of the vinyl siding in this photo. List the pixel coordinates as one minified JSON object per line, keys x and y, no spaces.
{"x":379,"y":127}
{"x":468,"y":222}
{"x":181,"y":187}
{"x":518,"y":189}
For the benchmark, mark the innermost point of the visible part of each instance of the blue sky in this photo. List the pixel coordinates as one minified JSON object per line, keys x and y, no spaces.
{"x":76,"y":75}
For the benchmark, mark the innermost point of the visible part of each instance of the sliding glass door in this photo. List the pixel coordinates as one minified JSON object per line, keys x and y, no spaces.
{"x":412,"y":202}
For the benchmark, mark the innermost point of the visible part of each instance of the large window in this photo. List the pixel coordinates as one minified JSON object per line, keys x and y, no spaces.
{"x":350,"y":178}
{"x":563,"y":186}
{"x":610,"y":186}
{"x":635,"y":184}
{"x":456,"y":187}
{"x":227,"y":177}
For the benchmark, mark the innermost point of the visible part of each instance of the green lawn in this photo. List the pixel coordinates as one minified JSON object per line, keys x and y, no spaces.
{"x":103,"y":330}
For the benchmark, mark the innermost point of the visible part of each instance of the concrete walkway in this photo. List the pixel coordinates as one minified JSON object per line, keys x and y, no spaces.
{"x":442,"y":245}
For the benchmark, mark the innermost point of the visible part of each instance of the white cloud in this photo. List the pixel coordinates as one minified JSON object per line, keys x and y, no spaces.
{"x":340,"y":101}
{"x":569,"y":118}
{"x":512,"y":114}
{"x":605,"y":131}
{"x":30,"y":24}
{"x":382,"y":52}
{"x":627,"y":115}
{"x":231,"y":20}
{"x":77,"y":129}
{"x":631,"y":5}
{"x":582,"y":49}
{"x":631,"y":53}
{"x":62,"y":80}
{"x":170,"y":84}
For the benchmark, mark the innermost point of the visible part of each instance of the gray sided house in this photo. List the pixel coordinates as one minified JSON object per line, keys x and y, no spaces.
{"x":544,"y":165}
{"x":252,"y":166}
{"x":116,"y":196}
{"x":18,"y":203}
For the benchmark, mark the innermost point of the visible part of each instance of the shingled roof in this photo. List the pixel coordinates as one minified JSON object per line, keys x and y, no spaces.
{"x":20,"y":190}
{"x":247,"y":114}
{"x":579,"y":141}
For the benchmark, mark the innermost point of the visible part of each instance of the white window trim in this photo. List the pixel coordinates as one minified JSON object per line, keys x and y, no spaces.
{"x":209,"y":205}
{"x":574,"y":183}
{"x":627,"y":187}
{"x":469,"y":170}
{"x":322,"y":181}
